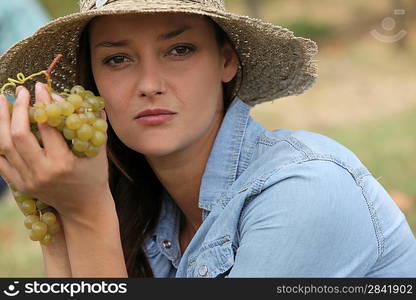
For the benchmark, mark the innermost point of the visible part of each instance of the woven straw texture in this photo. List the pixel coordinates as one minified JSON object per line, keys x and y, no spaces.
{"x":274,"y":63}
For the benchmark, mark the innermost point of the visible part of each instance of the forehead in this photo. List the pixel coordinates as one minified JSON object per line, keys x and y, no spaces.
{"x":147,"y":23}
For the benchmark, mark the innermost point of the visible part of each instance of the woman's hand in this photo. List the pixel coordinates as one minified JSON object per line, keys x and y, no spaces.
{"x":53,"y":174}
{"x":55,"y":255}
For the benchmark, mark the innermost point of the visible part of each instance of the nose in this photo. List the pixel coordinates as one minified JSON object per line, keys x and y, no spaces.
{"x":150,"y":78}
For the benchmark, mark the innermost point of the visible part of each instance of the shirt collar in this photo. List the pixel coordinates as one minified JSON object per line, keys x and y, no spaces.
{"x":220,"y":171}
{"x":222,"y":166}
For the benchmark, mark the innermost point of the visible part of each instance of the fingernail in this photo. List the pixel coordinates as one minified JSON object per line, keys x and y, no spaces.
{"x":18,"y":90}
{"x":38,"y":85}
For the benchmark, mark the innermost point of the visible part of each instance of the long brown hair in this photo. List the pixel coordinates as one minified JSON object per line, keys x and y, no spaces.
{"x":135,"y":188}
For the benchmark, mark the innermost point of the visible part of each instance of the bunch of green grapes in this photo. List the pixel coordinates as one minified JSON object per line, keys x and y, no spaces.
{"x":77,"y":114}
{"x":78,"y":117}
{"x":40,"y":219}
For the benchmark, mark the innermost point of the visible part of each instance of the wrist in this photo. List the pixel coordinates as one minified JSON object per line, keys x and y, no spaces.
{"x":96,"y":209}
{"x":94,"y":242}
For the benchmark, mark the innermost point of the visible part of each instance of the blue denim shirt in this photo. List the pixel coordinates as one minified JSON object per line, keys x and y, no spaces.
{"x":284,"y":203}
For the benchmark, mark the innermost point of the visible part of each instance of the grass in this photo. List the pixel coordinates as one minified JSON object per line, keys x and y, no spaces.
{"x":19,"y":256}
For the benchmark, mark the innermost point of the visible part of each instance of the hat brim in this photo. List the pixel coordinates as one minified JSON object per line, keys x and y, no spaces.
{"x":274,"y":62}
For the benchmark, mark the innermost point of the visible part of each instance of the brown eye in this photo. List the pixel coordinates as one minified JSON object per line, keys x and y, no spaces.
{"x":116,"y":60}
{"x":183,"y":50}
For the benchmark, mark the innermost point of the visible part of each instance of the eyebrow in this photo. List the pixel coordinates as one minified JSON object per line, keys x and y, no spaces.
{"x":162,"y":37}
{"x":174,"y":33}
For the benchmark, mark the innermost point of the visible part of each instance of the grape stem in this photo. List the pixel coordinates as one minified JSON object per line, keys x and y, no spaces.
{"x":50,"y":69}
{"x":21,"y":78}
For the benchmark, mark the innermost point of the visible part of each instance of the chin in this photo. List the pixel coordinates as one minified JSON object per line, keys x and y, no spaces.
{"x":158,"y":150}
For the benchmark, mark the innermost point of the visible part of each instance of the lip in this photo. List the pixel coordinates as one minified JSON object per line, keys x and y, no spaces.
{"x":155,"y":116}
{"x":155,"y":111}
{"x":155,"y":119}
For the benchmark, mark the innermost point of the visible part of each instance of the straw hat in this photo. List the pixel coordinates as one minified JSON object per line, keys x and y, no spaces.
{"x":274,"y":62}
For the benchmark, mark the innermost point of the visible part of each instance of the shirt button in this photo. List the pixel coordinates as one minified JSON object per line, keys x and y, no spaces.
{"x":203,"y":270}
{"x":167,"y":244}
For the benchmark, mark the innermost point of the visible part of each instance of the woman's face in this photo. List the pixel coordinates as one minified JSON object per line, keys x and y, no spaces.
{"x":166,"y":61}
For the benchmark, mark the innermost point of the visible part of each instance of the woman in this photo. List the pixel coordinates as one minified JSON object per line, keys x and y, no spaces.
{"x":200,"y":189}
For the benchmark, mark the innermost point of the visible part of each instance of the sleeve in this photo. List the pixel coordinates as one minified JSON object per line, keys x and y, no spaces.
{"x":311,"y":221}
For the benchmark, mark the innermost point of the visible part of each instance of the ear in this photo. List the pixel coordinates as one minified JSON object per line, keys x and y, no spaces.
{"x":229,"y":62}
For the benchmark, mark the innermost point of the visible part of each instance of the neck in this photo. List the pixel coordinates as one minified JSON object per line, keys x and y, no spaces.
{"x":181,"y":172}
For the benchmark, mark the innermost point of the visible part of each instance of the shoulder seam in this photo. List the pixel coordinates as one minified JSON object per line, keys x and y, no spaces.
{"x":257,"y":186}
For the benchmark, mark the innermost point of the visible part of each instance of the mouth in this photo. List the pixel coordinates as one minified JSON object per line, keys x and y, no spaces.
{"x":155,"y":118}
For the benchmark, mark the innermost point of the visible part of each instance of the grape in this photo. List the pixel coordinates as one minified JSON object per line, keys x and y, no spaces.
{"x":41,"y":205}
{"x":28,"y":206}
{"x":85,"y":132}
{"x":53,"y":110}
{"x":48,"y":218}
{"x":40,"y":116}
{"x":69,"y":134}
{"x":77,"y":153}
{"x":83,"y":118}
{"x":91,"y":118}
{"x":80,"y":145}
{"x":47,"y":239}
{"x":75,"y":100}
{"x":100,"y":125}
{"x":73,"y":122}
{"x":78,"y":90}
{"x":54,"y":121}
{"x":30,"y":219}
{"x":39,"y":230}
{"x":92,"y":151}
{"x":33,"y":236}
{"x":98,"y":139}
{"x":86,"y":106}
{"x":61,"y":125}
{"x":67,"y":108}
{"x":94,"y":102}
{"x":101,"y":102}
{"x":20,"y":197}
{"x":32,"y":115}
{"x":40,"y":106}
{"x":10,"y":108}
{"x":88,"y":94}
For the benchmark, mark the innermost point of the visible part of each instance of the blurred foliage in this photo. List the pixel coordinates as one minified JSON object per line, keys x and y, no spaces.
{"x":310,"y":29}
{"x":58,"y":8}
{"x":387,"y":148}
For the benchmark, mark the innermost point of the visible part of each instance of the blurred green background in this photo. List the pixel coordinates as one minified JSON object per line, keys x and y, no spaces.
{"x":365,"y":97}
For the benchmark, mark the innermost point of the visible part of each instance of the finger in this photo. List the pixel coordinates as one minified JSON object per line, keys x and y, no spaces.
{"x":24,"y":141}
{"x":6,"y":141}
{"x":57,"y":98}
{"x":103,"y":115}
{"x":53,"y":141}
{"x":8,"y":173}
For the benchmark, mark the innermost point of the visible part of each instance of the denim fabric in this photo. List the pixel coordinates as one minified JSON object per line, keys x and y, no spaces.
{"x":284,"y":203}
